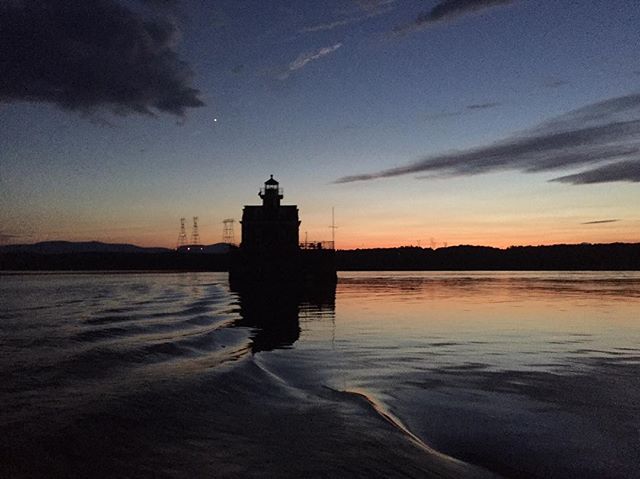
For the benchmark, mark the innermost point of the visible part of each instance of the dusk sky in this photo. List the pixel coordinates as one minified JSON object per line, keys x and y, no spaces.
{"x":489,"y":122}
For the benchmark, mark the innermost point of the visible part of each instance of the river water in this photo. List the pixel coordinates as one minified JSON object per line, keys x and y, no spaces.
{"x":407,"y":374}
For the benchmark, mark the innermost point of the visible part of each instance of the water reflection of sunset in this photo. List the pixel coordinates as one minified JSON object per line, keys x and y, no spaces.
{"x":535,"y":306}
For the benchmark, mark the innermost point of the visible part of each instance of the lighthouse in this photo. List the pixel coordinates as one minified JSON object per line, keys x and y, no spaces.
{"x":271,"y":229}
{"x":270,"y":252}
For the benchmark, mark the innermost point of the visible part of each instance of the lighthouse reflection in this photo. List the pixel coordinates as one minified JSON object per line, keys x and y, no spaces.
{"x":275,"y":311}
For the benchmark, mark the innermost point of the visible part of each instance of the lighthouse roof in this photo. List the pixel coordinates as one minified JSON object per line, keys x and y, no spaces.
{"x":271,"y":181}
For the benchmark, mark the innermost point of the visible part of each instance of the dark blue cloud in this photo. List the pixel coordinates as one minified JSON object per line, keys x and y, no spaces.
{"x":447,"y":10}
{"x":90,"y":54}
{"x":482,"y":106}
{"x":600,"y":222}
{"x":620,"y":171}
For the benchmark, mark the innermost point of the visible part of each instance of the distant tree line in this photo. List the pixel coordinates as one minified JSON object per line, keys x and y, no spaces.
{"x":615,"y":256}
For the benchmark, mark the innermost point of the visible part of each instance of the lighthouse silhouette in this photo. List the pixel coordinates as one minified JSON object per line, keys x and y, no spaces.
{"x":270,"y":250}
{"x":271,"y":228}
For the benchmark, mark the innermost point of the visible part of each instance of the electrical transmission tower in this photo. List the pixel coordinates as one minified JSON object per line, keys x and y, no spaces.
{"x":182,"y":237}
{"x":195,"y":236}
{"x":227,"y":232}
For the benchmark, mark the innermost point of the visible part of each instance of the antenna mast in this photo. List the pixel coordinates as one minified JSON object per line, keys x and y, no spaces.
{"x":333,"y":227}
{"x":195,"y":235}
{"x":182,"y":236}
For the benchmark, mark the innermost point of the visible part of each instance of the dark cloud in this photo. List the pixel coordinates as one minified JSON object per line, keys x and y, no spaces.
{"x":605,"y":137}
{"x":555,"y":83}
{"x":448,"y":10}
{"x":467,"y":110}
{"x":238,"y":69}
{"x":620,"y":171}
{"x":482,"y":106}
{"x":599,"y":222}
{"x":90,"y":54}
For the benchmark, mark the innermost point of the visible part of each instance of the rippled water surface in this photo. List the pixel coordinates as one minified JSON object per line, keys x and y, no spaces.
{"x":459,"y":374}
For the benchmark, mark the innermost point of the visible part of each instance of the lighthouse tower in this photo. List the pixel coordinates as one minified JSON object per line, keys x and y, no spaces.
{"x":271,"y":194}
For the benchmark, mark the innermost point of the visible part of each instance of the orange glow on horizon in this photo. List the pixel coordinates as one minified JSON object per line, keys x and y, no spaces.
{"x":503,"y":241}
{"x":153,"y":240}
{"x":359,"y":231}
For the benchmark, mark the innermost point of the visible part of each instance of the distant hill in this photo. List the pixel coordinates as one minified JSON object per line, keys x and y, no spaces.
{"x":70,"y":247}
{"x":217,"y":248}
{"x":66,"y":247}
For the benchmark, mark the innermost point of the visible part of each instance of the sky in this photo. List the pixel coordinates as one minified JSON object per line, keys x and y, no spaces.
{"x":425,"y":123}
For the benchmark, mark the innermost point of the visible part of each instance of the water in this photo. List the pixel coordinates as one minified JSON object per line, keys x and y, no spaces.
{"x":530,"y":375}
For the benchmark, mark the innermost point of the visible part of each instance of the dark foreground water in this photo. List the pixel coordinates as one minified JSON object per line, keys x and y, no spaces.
{"x":390,"y":375}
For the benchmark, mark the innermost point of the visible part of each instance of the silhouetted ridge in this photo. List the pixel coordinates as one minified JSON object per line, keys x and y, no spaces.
{"x":62,"y":247}
{"x":614,"y":256}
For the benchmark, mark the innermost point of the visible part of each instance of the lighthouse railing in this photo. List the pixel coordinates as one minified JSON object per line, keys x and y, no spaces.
{"x":317,"y":245}
{"x":279,"y":190}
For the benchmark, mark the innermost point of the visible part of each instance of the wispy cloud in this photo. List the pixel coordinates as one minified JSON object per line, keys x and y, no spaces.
{"x":444,"y":114}
{"x":7,"y":236}
{"x":448,"y":10}
{"x":162,"y":3}
{"x":304,"y":58}
{"x":474,"y":107}
{"x":12,"y":237}
{"x":599,"y":222}
{"x":483,"y":106}
{"x":368,"y":9}
{"x":603,"y":137}
{"x":328,"y":26}
{"x":372,"y":6}
{"x":555,"y":83}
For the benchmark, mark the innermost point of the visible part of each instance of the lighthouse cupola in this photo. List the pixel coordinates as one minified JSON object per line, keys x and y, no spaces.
{"x":271,"y":194}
